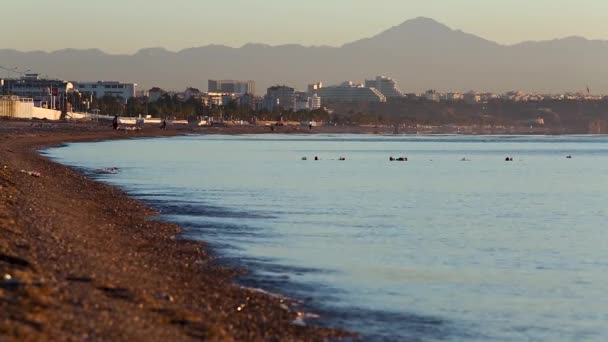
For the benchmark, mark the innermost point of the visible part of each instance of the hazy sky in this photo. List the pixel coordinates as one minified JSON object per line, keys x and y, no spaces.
{"x":124,"y":26}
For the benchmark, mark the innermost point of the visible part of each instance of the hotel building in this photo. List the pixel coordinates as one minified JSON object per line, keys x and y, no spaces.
{"x":387,"y":86}
{"x":349,"y":92}
{"x":102,"y":88}
{"x":231,"y":87}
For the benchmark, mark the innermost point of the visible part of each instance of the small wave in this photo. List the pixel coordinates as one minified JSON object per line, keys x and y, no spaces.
{"x":205,"y":210}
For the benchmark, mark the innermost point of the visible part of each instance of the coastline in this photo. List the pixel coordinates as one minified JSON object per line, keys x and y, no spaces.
{"x":81,"y":260}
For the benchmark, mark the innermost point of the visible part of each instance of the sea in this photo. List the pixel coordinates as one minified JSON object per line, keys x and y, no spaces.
{"x":454,"y":244}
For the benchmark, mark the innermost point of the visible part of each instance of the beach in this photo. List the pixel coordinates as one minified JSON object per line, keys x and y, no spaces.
{"x":81,"y":260}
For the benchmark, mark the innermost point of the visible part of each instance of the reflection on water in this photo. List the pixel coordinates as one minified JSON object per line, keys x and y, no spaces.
{"x":430,"y":249}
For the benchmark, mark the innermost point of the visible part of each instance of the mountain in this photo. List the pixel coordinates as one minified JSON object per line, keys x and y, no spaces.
{"x":420,"y":54}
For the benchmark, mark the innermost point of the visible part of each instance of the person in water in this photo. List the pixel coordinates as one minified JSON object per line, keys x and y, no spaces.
{"x":316,"y":158}
{"x":115,"y":122}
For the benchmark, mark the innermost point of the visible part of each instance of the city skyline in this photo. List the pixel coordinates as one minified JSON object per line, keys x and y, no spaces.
{"x":120,"y":27}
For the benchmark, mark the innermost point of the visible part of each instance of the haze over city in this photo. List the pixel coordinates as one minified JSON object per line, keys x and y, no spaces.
{"x":117,"y":26}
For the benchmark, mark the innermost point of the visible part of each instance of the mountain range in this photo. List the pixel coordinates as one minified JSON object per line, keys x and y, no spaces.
{"x":419,"y":54}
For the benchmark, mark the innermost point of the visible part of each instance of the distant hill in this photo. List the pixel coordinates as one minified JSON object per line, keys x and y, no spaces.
{"x":420,"y":54}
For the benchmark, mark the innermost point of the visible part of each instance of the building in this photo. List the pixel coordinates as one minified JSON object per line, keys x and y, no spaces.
{"x":248,"y":101}
{"x":472,"y":97}
{"x":192,"y":93}
{"x":46,"y":93}
{"x":306,"y":101}
{"x":219,"y":99}
{"x":387,"y":86}
{"x":280,"y":97}
{"x":101,"y":89}
{"x":155,"y":94}
{"x":350,"y":92}
{"x":231,"y":87}
{"x":314,"y":102}
{"x":312,"y":88}
{"x":432,"y":95}
{"x":453,"y":97}
{"x":486,"y":97}
{"x":142,"y":93}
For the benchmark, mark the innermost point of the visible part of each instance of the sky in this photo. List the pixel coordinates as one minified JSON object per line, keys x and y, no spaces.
{"x":125,"y":26}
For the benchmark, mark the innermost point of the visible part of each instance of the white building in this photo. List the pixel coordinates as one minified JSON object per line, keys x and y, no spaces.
{"x":103,"y":88}
{"x":304,"y":101}
{"x":387,"y":86}
{"x":350,"y":92}
{"x":314,"y":102}
{"x":44,"y":92}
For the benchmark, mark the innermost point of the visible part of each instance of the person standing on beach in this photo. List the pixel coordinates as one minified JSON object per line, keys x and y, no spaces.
{"x":163,"y":125}
{"x":115,"y":122}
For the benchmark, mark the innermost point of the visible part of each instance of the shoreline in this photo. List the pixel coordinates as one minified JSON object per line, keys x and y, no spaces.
{"x":81,"y":260}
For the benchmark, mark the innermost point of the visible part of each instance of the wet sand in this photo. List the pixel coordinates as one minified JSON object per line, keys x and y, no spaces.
{"x":80,"y":260}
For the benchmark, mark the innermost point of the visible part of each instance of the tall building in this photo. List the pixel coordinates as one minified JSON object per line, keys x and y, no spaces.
{"x":349,"y":92}
{"x":105,"y":88}
{"x":280,"y":96}
{"x":231,"y":87}
{"x":387,"y":86}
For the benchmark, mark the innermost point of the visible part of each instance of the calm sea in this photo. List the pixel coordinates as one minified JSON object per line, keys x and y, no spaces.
{"x":435,"y":248}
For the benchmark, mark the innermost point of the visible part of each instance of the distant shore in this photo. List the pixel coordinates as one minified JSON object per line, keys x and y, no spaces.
{"x":81,"y":260}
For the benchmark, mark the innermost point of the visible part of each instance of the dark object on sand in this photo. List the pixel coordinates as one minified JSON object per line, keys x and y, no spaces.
{"x":11,"y":284}
{"x":115,"y":122}
{"x":32,"y":173}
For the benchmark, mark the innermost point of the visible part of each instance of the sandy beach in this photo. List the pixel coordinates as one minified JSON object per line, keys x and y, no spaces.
{"x":80,"y":260}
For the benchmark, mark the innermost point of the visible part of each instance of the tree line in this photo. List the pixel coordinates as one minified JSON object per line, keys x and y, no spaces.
{"x":172,"y":106}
